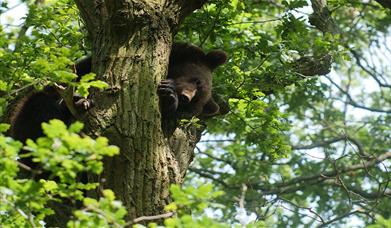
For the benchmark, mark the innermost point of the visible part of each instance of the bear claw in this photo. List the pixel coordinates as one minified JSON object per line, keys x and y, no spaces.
{"x":168,"y":96}
{"x":82,"y":103}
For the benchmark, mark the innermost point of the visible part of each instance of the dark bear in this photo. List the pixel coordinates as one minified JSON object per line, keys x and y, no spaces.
{"x":42,"y":106}
{"x":187,"y":91}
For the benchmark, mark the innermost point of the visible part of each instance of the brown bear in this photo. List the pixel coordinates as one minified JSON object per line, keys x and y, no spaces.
{"x":41,"y":106}
{"x":186,"y":92}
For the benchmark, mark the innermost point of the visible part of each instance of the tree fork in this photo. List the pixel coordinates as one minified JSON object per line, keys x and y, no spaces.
{"x":131,"y":47}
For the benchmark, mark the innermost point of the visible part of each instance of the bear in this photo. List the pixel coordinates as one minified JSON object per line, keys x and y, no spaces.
{"x":187,"y":91}
{"x":41,"y":106}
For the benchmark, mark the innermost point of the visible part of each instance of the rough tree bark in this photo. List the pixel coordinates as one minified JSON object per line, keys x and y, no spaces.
{"x":131,"y":45}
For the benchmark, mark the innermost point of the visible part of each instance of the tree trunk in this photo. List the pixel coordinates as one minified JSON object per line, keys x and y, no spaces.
{"x":131,"y":46}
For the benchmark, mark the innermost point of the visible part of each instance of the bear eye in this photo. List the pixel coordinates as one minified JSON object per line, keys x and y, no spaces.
{"x":196,"y":81}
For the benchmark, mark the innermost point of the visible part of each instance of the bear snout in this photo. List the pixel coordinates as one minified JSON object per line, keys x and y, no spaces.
{"x":187,"y":95}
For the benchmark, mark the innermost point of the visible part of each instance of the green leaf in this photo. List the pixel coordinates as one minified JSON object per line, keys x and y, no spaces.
{"x":4,"y":127}
{"x":76,"y":127}
{"x":55,"y":128}
{"x":49,"y":185}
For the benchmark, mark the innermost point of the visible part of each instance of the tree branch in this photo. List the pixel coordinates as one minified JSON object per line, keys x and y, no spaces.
{"x":318,"y":144}
{"x":385,"y":3}
{"x":188,"y":6}
{"x":92,"y":18}
{"x":294,"y":184}
{"x":153,"y":217}
{"x":354,"y":103}
{"x":369,"y":72}
{"x":324,"y":143}
{"x":232,"y":164}
{"x":369,"y":195}
{"x":320,"y":63}
{"x":341,"y":217}
{"x":312,"y":65}
{"x":321,"y":17}
{"x":209,"y":176}
{"x":318,"y":217}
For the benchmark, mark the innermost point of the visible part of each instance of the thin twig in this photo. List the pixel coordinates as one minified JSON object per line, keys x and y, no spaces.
{"x":153,"y":217}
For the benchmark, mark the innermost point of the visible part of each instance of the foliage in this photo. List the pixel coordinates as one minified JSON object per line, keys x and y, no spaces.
{"x":195,"y":200}
{"x":65,"y":155}
{"x":311,"y":150}
{"x":106,"y":212}
{"x":381,"y":223}
{"x":40,"y":53}
{"x":293,"y":139}
{"x":200,"y":200}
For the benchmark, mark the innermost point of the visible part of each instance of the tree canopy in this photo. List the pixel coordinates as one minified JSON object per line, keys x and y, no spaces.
{"x":307,"y":140}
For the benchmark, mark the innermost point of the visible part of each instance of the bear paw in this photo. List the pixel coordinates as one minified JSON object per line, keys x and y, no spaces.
{"x":82,"y":104}
{"x":168,"y":96}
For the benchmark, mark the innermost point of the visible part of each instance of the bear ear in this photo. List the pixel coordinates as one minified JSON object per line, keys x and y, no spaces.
{"x":216,"y":58}
{"x":210,"y":109}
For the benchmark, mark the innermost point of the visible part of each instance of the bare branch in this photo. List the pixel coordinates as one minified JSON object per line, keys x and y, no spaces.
{"x":209,"y":176}
{"x":324,"y":143}
{"x":341,"y":217}
{"x":294,"y":184}
{"x":369,"y":195}
{"x":317,"y":218}
{"x":153,"y":217}
{"x":354,"y":103}
{"x":23,"y":166}
{"x":359,"y":147}
{"x":12,"y":7}
{"x":232,"y":164}
{"x":318,"y":144}
{"x":371,"y":72}
{"x":298,"y":212}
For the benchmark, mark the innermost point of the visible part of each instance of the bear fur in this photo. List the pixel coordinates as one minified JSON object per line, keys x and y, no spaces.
{"x":186,"y":92}
{"x":41,"y":106}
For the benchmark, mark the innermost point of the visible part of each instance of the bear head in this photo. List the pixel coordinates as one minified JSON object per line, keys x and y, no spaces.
{"x":191,"y":70}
